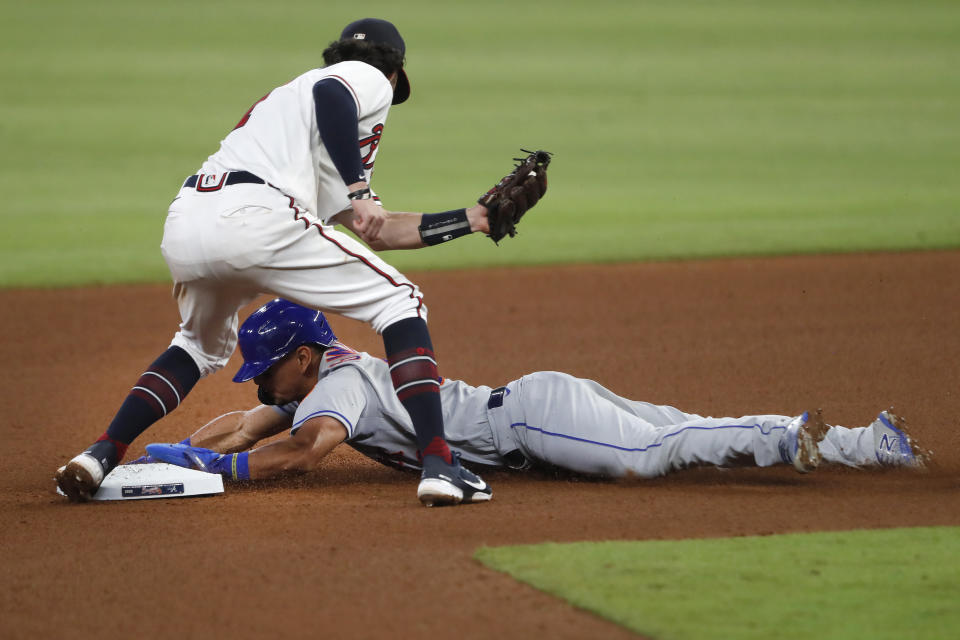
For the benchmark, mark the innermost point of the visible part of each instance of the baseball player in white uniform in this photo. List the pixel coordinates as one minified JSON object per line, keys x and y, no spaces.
{"x":329,"y":393}
{"x":257,"y":217}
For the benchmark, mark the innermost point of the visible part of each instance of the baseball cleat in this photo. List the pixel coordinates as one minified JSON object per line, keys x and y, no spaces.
{"x":892,"y":445}
{"x":449,"y":484}
{"x":80,"y":478}
{"x":799,"y":445}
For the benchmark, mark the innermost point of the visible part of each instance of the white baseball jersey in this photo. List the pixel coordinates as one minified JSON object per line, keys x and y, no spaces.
{"x":278,"y":139}
{"x":549,"y":417}
{"x":227,"y":241}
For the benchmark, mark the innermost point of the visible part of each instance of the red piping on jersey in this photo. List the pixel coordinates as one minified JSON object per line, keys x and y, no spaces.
{"x":387,"y":276}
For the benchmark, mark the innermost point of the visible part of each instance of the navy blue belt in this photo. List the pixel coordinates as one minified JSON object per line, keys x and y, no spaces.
{"x":226,"y":179}
{"x":513,"y":459}
{"x":496,"y":398}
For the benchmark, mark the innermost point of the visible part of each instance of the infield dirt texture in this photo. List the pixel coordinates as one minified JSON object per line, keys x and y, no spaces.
{"x":349,"y":552}
{"x":681,"y":130}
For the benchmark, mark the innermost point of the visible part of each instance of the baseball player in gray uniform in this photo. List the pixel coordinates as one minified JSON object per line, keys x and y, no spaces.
{"x":327,"y":393}
{"x":258,"y":217}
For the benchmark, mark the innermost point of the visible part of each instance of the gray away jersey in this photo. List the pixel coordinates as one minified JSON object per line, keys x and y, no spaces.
{"x":355,"y":388}
{"x":554,"y":418}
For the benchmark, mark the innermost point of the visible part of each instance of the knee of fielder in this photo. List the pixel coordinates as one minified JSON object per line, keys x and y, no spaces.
{"x":402,"y":303}
{"x":404,"y":310}
{"x":206,"y":363}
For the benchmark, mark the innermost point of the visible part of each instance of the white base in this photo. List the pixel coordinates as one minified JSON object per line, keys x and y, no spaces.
{"x":156,"y":480}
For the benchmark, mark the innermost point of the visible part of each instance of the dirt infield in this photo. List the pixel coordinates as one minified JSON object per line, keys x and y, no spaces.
{"x":349,"y":552}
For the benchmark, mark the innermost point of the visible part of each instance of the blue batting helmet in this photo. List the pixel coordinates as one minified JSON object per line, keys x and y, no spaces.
{"x":276,"y":329}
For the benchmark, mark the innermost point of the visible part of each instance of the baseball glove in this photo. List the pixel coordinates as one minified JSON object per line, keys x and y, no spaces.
{"x":515,"y":194}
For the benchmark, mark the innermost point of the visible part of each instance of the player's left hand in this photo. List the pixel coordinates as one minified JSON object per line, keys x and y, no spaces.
{"x":477,"y":217}
{"x":369,"y":218}
{"x":147,"y":459}
{"x":515,"y":194}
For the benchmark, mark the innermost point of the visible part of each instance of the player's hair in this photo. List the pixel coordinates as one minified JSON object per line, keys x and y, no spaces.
{"x":382,"y":56}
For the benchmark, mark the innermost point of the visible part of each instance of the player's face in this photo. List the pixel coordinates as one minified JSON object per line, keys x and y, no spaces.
{"x":282,"y":382}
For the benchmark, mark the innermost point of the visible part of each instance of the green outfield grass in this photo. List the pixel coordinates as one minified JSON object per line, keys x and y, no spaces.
{"x":896,"y":583}
{"x":681,"y":129}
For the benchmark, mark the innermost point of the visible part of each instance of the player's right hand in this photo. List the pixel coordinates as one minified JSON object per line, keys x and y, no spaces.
{"x":369,"y":218}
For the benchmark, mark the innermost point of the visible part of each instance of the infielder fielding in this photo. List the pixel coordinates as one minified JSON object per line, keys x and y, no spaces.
{"x":327,"y":393}
{"x":257,"y":218}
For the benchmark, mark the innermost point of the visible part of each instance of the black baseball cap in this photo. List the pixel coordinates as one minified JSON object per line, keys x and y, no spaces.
{"x":381,"y":31}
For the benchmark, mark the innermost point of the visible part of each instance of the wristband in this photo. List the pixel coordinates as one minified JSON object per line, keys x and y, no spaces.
{"x":360,"y":194}
{"x":240,"y":466}
{"x":436,"y":228}
{"x":233,"y":465}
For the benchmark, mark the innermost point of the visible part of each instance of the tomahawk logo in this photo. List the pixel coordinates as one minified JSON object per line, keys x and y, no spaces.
{"x":370,"y":143}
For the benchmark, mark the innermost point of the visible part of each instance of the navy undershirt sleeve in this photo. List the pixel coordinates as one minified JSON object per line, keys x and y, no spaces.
{"x":339,"y":129}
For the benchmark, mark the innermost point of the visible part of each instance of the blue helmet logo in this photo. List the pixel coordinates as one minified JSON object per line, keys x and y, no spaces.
{"x":276,"y":329}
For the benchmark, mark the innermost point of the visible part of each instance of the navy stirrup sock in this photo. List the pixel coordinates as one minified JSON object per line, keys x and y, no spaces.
{"x":160,"y":390}
{"x":413,"y":369}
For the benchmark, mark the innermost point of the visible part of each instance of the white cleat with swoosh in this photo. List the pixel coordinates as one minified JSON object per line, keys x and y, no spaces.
{"x":448,"y":484}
